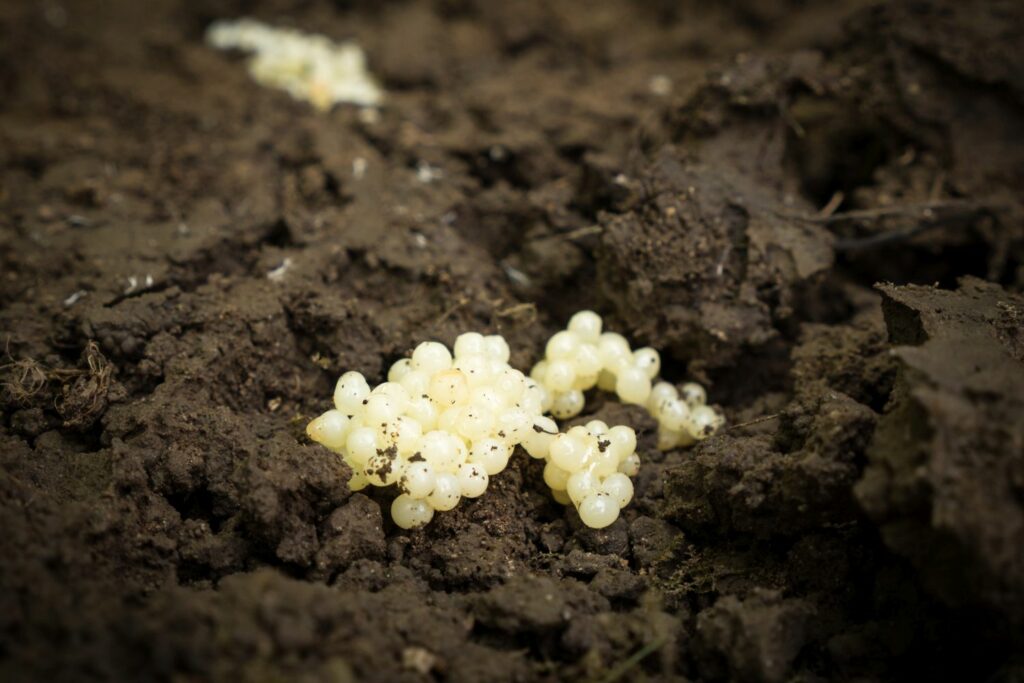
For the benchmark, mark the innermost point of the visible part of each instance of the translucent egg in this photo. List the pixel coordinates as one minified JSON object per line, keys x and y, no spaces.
{"x":473,"y":480}
{"x":588,"y":360}
{"x":598,"y":511}
{"x":330,"y":429}
{"x":705,"y":421}
{"x":474,"y":422}
{"x":403,"y":433}
{"x":361,"y":445}
{"x":449,"y":388}
{"x":486,"y":397}
{"x":491,"y":454}
{"x":417,"y":383}
{"x":630,"y":465}
{"x":586,"y":325}
{"x":440,"y":451}
{"x":619,"y":487}
{"x":614,"y":350}
{"x":409,"y":513}
{"x":496,"y":347}
{"x":596,"y":427}
{"x":424,"y":411}
{"x":580,"y":485}
{"x":693,"y":394}
{"x":349,"y":392}
{"x":418,"y":480}
{"x":660,"y":392}
{"x":567,"y":404}
{"x":561,"y":497}
{"x":633,"y":386}
{"x":555,"y":477}
{"x":476,"y":368}
{"x":560,"y":375}
{"x":399,"y":369}
{"x":648,"y":360}
{"x":567,"y":453}
{"x":562,"y":346}
{"x":381,"y":408}
{"x":469,"y":344}
{"x":513,"y":425}
{"x":539,"y":436}
{"x":623,"y":440}
{"x":358,"y":482}
{"x":673,"y":414}
{"x":446,"y":493}
{"x":392,"y":389}
{"x":431,"y":357}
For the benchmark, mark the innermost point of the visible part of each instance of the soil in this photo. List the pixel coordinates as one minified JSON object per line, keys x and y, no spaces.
{"x":188,"y":261}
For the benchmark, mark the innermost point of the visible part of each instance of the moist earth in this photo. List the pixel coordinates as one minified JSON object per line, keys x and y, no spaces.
{"x":812,"y":208}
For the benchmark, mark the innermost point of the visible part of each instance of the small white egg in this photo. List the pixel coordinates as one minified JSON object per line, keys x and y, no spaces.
{"x":409,"y":513}
{"x":555,"y":477}
{"x":673,"y":414}
{"x":648,"y":360}
{"x":586,"y":325}
{"x":474,"y":422}
{"x":491,"y":454}
{"x":449,"y":388}
{"x":705,"y":421}
{"x":424,"y":411}
{"x":496,"y":347}
{"x":361,"y":445}
{"x":418,"y":480}
{"x":562,"y":346}
{"x":472,"y":480}
{"x":381,"y":408}
{"x":598,"y":511}
{"x":619,"y":487}
{"x":399,"y":369}
{"x":416,"y":382}
{"x":330,"y":429}
{"x":538,"y":438}
{"x":446,"y":493}
{"x":567,"y":453}
{"x":588,"y":360}
{"x":633,"y":386}
{"x":580,"y":485}
{"x":567,"y":404}
{"x":431,"y":357}
{"x":349,"y":393}
{"x":661,"y":391}
{"x":623,"y":441}
{"x":693,"y":394}
{"x":630,"y":466}
{"x":469,"y":344}
{"x":560,"y":375}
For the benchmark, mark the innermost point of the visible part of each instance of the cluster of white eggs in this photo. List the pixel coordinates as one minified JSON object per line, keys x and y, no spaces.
{"x":439,"y":428}
{"x":589,"y":466}
{"x":582,"y":356}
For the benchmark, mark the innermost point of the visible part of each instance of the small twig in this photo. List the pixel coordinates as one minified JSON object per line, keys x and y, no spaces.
{"x":624,"y":667}
{"x":572,"y":234}
{"x":833,"y":204}
{"x":759,"y":420}
{"x":918,"y":210}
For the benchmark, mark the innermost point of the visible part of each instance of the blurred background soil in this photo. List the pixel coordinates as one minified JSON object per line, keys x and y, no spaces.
{"x":188,"y":261}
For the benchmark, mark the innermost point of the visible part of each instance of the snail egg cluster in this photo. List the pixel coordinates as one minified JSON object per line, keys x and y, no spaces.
{"x":581,"y":357}
{"x":307,"y":66}
{"x":439,"y":428}
{"x":589,"y":466}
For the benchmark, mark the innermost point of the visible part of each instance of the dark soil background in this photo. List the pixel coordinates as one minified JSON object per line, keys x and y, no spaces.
{"x":188,"y":261}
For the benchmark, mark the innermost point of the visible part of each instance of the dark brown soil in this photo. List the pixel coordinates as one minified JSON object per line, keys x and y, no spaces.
{"x":162,"y":517}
